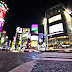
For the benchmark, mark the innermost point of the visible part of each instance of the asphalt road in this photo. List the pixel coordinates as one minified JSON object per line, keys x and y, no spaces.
{"x":53,"y":62}
{"x":52,"y":66}
{"x":45,"y":61}
{"x":9,"y":61}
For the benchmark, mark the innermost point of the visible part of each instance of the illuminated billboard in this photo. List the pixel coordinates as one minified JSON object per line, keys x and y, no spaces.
{"x":3,"y":9}
{"x":34,"y":43}
{"x":25,"y":36}
{"x":34,"y":38}
{"x":56,"y":29}
{"x":34,"y":27}
{"x":55,"y":18}
{"x":19,"y":30}
{"x":26,"y":30}
{"x":1,"y":25}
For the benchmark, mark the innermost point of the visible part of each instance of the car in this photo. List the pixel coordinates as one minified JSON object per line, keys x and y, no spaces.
{"x":47,"y":49}
{"x":15,"y":51}
{"x":28,"y":50}
{"x":4,"y":49}
{"x":51,"y":48}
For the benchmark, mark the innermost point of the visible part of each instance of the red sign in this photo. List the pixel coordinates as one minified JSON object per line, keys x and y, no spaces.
{"x":2,"y":11}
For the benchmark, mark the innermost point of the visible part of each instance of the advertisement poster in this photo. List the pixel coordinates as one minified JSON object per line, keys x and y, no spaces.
{"x":34,"y":27}
{"x":19,"y":30}
{"x":2,"y":11}
{"x":1,"y":25}
{"x":26,"y":30}
{"x":34,"y":43}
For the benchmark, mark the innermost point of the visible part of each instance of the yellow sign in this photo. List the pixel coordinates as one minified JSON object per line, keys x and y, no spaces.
{"x":34,"y":43}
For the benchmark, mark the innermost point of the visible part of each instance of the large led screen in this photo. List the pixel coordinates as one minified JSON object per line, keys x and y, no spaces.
{"x":34,"y":38}
{"x":56,"y":29}
{"x":55,"y":18}
{"x":34,"y":27}
{"x":34,"y":43}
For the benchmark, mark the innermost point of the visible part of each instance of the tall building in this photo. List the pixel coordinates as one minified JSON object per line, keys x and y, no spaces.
{"x":25,"y":37}
{"x":59,"y":24}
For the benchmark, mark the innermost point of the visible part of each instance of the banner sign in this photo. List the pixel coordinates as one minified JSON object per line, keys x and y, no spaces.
{"x":1,"y":25}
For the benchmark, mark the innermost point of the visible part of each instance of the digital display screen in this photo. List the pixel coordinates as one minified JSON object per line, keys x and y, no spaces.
{"x":56,"y":29}
{"x":34,"y":38}
{"x":34,"y":43}
{"x":55,"y":18}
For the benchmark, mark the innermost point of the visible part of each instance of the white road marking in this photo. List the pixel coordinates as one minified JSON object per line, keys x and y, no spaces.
{"x":53,"y":59}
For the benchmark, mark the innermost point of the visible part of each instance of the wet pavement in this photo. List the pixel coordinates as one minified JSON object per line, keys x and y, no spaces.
{"x":9,"y":61}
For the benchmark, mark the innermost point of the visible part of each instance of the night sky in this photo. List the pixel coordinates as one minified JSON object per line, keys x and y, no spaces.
{"x":23,"y":13}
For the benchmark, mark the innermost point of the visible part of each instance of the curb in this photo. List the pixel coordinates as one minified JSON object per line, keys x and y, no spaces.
{"x":26,"y":67}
